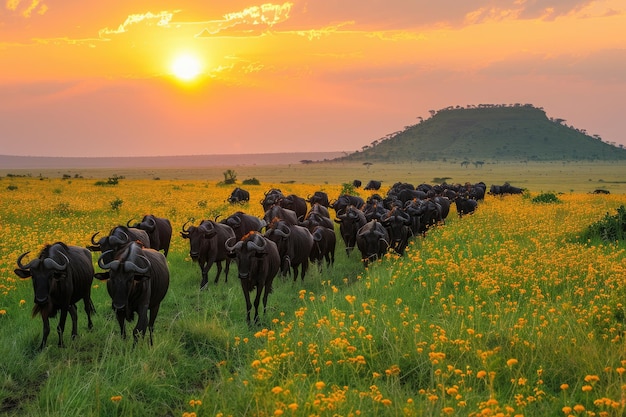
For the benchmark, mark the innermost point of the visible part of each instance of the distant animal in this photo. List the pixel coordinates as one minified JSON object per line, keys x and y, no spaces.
{"x":137,"y":281}
{"x":258,"y":263}
{"x":350,"y":221}
{"x":271,"y":197}
{"x":243,"y":223}
{"x":373,"y":185}
{"x":294,"y":245}
{"x":117,"y":237}
{"x":324,"y":244}
{"x":159,"y":230}
{"x":356,"y":183}
{"x":373,"y":241}
{"x":239,"y":195}
{"x":504,"y":189}
{"x":62,"y":276}
{"x":601,"y":191}
{"x":206,"y":247}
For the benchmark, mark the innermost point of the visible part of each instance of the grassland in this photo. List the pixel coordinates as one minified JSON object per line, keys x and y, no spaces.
{"x":504,"y":312}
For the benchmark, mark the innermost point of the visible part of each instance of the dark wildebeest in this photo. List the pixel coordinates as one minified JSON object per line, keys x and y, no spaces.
{"x":373,"y":241}
{"x":504,"y":189}
{"x":271,"y":197}
{"x":137,"y":280}
{"x":295,"y":203}
{"x":282,"y":213}
{"x":350,"y":221}
{"x":294,"y":245}
{"x":324,"y":243}
{"x":206,"y":246}
{"x":317,"y":216}
{"x":356,"y":183}
{"x":345,"y":200}
{"x":62,"y":276}
{"x":424,"y":215}
{"x":319,"y":197}
{"x":397,"y":223}
{"x":239,"y":195}
{"x":159,"y":230}
{"x":465,"y":205}
{"x":243,"y":223}
{"x":373,"y":185}
{"x":258,"y":263}
{"x":119,"y":236}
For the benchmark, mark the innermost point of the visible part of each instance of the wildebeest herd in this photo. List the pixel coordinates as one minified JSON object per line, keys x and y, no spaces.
{"x":293,"y":233}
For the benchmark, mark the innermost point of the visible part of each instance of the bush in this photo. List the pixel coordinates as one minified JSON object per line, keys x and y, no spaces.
{"x":116,"y":204}
{"x":251,"y":181}
{"x":546,"y":198}
{"x":610,"y":228}
{"x":12,"y":187}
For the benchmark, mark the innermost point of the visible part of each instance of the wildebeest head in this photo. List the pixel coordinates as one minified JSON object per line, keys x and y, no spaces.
{"x":198,"y":237}
{"x":46,"y":271}
{"x":249,"y":250}
{"x":118,"y":237}
{"x":125,"y":269}
{"x":373,"y":240}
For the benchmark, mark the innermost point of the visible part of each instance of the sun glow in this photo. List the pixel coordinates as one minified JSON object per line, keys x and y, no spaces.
{"x":186,"y":67}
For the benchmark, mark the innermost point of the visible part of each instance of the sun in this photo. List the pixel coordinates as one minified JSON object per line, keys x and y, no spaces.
{"x":186,"y":67}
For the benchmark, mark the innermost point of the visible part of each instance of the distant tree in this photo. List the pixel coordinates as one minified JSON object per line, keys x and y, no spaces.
{"x":230,"y":176}
{"x":368,"y":164}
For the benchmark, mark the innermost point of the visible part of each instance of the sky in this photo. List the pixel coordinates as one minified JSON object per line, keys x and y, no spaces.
{"x":85,"y":79}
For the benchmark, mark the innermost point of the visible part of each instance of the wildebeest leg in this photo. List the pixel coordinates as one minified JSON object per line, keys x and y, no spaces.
{"x":219,"y":271}
{"x":257,"y":299}
{"x":205,"y":275}
{"x":61,"y":325}
{"x":226,"y":269}
{"x":74,"y":316}
{"x":142,"y":323}
{"x":246,"y":295}
{"x":46,"y":329}
{"x":121,"y":316}
{"x":153,"y":314}
{"x":89,"y":308}
{"x":303,"y":268}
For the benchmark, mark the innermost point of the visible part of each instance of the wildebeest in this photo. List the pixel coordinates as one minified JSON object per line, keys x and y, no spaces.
{"x":271,"y":197}
{"x":206,"y":246}
{"x":239,"y":195}
{"x":319,"y":197}
{"x":356,"y":183}
{"x":118,"y":236}
{"x":243,"y":223}
{"x":258,"y":263}
{"x":465,"y":205}
{"x":318,"y":215}
{"x":324,"y":243}
{"x":350,"y":221}
{"x":294,"y":245}
{"x":397,"y":223}
{"x":282,"y":213}
{"x":137,"y":281}
{"x":372,"y":239}
{"x":373,"y":185}
{"x":62,"y":276}
{"x":345,"y":200}
{"x":159,"y":230}
{"x":295,"y":203}
{"x":504,"y":189}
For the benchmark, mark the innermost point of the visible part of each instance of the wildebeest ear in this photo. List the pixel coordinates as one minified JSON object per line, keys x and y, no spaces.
{"x":102,"y":276}
{"x":22,"y":273}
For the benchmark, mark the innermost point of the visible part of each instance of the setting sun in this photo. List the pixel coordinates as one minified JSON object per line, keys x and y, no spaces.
{"x":186,"y":67}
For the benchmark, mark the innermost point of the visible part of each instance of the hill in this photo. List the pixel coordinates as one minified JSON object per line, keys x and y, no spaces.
{"x":489,"y":133}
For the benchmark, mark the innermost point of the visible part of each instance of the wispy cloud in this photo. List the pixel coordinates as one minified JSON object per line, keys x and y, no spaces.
{"x":162,"y":18}
{"x":27,"y":8}
{"x":249,"y":21}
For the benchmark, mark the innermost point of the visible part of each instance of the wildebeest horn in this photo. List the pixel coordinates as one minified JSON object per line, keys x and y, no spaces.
{"x":52,"y":264}
{"x":232,"y":248}
{"x":114,"y":264}
{"x":259,"y":248}
{"x":132,"y":266}
{"x":233,"y":221}
{"x":128,"y":222}
{"x":32,"y":264}
{"x":93,"y":239}
{"x":117,"y":241}
{"x":282,"y":230}
{"x":185,"y":224}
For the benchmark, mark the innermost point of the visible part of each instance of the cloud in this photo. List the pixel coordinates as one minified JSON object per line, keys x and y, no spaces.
{"x":162,"y":18}
{"x":26,"y":9}
{"x":249,"y":21}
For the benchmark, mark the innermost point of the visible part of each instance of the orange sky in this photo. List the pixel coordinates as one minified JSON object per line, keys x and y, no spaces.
{"x":82,"y":78}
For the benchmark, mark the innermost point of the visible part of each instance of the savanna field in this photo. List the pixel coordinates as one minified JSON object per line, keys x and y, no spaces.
{"x":506,"y":312}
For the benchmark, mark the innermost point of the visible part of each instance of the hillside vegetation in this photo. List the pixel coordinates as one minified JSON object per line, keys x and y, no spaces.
{"x":489,"y":133}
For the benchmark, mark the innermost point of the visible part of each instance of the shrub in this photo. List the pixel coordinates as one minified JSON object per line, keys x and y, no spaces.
{"x":12,"y":187}
{"x":251,"y":181}
{"x":610,"y":228}
{"x":546,"y":198}
{"x":116,"y":204}
{"x":348,"y":188}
